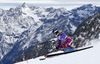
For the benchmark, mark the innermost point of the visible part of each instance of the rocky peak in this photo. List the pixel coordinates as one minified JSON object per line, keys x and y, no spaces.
{"x":24,"y":5}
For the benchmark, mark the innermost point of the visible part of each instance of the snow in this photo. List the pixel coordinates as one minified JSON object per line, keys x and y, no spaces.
{"x":32,"y":34}
{"x":92,"y":29}
{"x":99,"y":36}
{"x":81,"y":12}
{"x":89,"y":56}
{"x":80,"y":36}
{"x":1,"y":56}
{"x":73,"y":28}
{"x":29,"y":12}
{"x":39,"y":37}
{"x":71,"y":16}
{"x":41,"y":9}
{"x":9,"y":39}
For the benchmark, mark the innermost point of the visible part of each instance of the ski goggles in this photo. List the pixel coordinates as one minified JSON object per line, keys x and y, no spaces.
{"x":55,"y":32}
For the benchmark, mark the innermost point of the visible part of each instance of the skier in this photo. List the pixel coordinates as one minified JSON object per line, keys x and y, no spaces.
{"x":65,"y":42}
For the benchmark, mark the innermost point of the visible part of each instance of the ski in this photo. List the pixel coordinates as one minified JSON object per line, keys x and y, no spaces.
{"x":42,"y":58}
{"x":68,"y":52}
{"x":57,"y":54}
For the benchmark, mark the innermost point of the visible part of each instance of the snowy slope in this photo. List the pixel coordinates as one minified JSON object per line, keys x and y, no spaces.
{"x":90,"y":56}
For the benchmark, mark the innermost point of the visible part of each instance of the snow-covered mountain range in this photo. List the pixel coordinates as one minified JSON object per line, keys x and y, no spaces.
{"x":85,"y":32}
{"x":24,"y":26}
{"x":15,"y":22}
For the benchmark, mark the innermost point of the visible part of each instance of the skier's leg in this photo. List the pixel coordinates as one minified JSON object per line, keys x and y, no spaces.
{"x":69,"y":43}
{"x":64,"y":48}
{"x":71,"y":49}
{"x":61,"y":47}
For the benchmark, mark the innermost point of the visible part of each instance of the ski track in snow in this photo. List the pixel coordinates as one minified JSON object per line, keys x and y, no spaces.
{"x":89,"y":56}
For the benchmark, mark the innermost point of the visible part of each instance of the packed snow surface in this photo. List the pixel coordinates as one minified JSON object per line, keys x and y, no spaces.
{"x":89,"y":56}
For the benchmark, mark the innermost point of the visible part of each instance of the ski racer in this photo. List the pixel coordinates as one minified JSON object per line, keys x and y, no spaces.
{"x":65,"y":42}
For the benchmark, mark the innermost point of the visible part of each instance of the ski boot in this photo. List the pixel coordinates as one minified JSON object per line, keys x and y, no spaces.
{"x":71,"y":49}
{"x":65,"y":50}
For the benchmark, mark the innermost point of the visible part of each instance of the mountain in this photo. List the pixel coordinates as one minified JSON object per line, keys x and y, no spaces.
{"x":23,"y":27}
{"x":14,"y":23}
{"x":85,"y":32}
{"x":88,"y":30}
{"x":66,"y":21}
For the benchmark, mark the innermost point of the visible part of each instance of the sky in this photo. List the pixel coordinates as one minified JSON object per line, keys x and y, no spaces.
{"x":68,"y":4}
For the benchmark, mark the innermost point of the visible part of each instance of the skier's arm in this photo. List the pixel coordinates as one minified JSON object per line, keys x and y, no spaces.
{"x":58,"y":44}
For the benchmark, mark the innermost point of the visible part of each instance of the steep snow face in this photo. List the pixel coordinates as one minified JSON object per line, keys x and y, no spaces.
{"x":90,"y":56}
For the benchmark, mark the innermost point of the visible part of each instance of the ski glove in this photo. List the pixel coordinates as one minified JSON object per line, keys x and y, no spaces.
{"x":58,"y":47}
